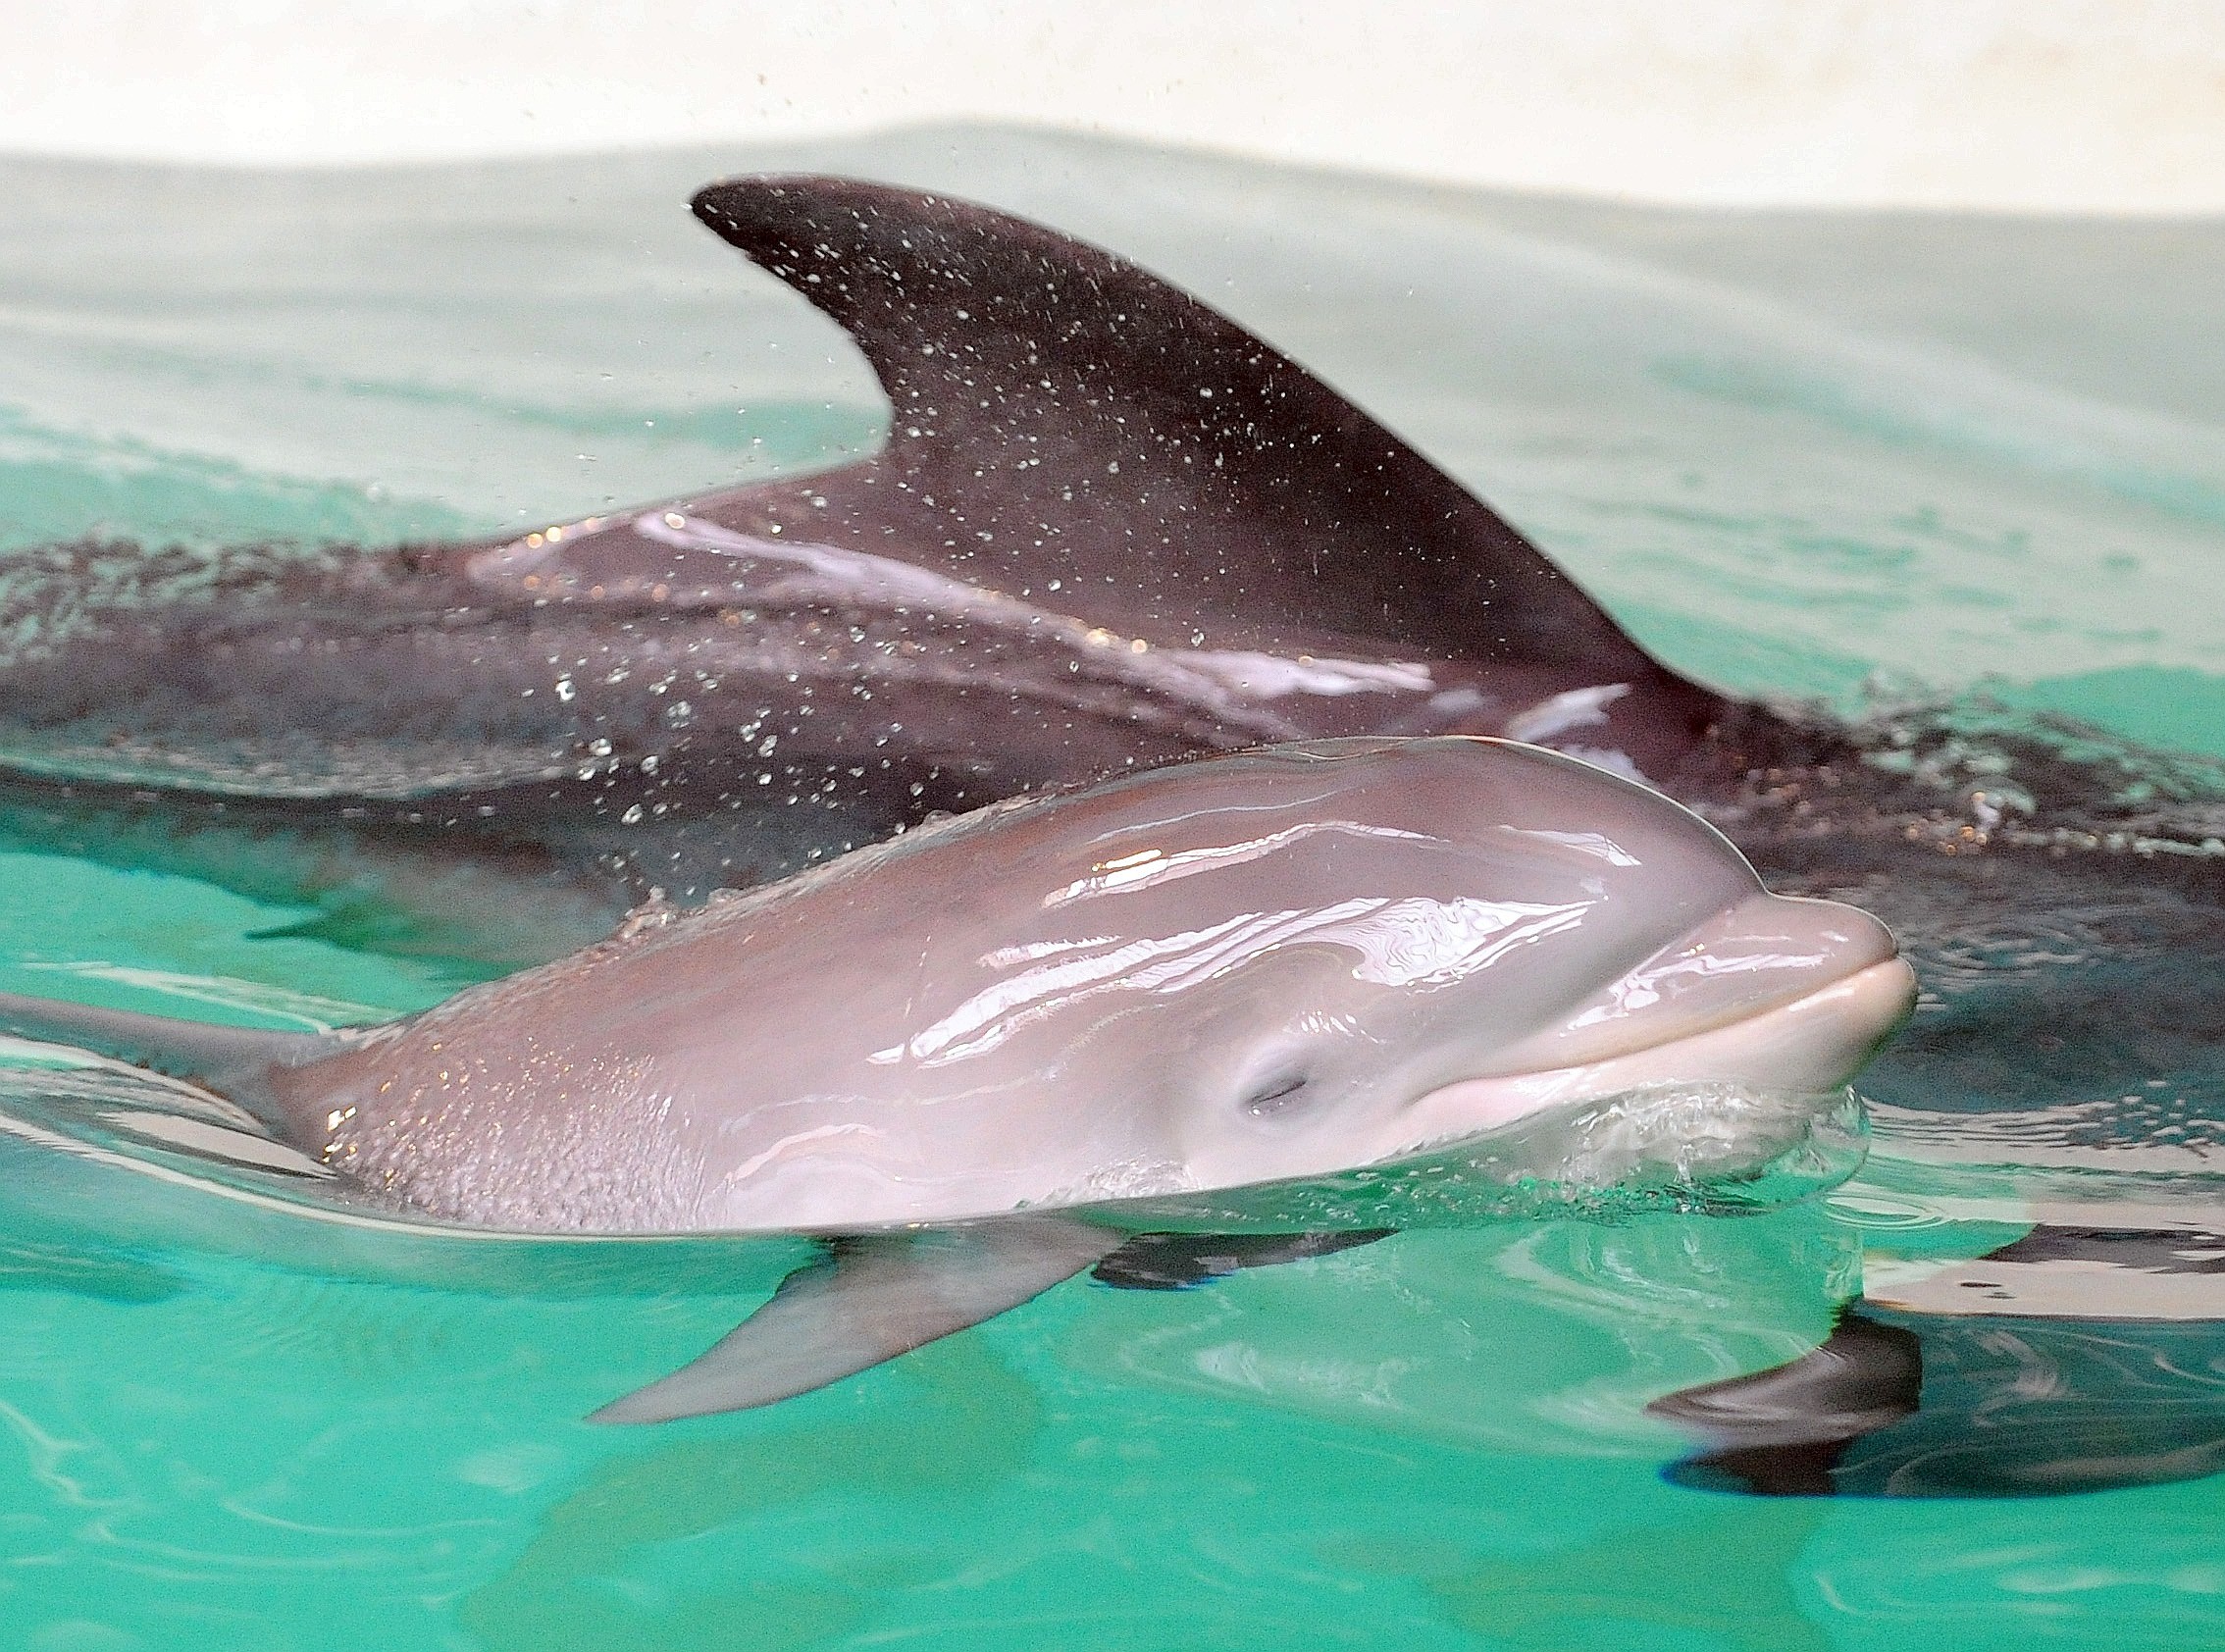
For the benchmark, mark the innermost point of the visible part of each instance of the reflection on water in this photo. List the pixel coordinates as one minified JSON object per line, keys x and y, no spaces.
{"x":1436,"y":1430}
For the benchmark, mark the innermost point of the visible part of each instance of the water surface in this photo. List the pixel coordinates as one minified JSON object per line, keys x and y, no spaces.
{"x":1841,"y":457}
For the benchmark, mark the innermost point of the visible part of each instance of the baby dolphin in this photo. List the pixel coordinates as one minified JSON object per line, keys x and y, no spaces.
{"x":1270,"y":965}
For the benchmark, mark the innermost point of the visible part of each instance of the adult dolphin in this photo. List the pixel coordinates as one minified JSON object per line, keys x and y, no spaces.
{"x":1263,"y":968}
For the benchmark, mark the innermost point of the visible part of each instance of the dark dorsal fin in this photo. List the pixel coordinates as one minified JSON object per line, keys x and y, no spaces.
{"x":1057,"y":407}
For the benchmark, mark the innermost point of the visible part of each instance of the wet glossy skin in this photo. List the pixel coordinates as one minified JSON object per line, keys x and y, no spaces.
{"x":1255,"y":968}
{"x":1109,"y":529}
{"x":1122,"y":532}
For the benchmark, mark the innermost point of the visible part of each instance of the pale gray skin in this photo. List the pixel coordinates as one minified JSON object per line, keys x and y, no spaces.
{"x":1264,"y":967}
{"x":1253,"y":968}
{"x":1109,"y":528}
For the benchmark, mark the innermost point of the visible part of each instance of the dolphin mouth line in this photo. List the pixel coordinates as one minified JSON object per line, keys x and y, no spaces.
{"x":1808,"y":1045}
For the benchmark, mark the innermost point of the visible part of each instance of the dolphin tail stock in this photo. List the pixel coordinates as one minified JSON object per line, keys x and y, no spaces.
{"x":1063,"y":415}
{"x":1781,"y":1432}
{"x":872,"y":1298}
{"x":230,"y":1059}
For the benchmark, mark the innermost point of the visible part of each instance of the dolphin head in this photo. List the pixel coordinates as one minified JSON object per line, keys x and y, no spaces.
{"x":1311,"y":958}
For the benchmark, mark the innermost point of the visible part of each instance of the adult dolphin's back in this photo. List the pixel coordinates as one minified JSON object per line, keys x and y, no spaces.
{"x":1109,"y":526}
{"x":1060,"y":413}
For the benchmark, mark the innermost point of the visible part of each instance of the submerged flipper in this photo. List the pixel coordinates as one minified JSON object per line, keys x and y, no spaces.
{"x":1782,"y":1432}
{"x":1860,"y":1378}
{"x":2072,"y":1360}
{"x":873,"y":1298}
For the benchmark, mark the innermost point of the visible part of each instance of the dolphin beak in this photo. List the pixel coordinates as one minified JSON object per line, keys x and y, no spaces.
{"x":1813,"y":1043}
{"x":1776,"y":994}
{"x":1764,"y":953}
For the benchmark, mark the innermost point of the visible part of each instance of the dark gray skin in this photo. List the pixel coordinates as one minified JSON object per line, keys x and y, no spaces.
{"x":1060,"y":415}
{"x":1083,"y":460}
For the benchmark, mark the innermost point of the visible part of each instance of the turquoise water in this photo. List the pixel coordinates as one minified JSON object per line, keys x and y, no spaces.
{"x":1855,"y":458}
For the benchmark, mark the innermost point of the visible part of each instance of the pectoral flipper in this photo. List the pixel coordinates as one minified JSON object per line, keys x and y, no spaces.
{"x":870,"y":1299}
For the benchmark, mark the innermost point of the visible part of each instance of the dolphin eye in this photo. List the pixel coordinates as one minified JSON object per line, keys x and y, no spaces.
{"x":1278,"y":1095}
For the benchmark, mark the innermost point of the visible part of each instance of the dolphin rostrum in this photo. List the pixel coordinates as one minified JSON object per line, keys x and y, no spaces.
{"x":1259,"y":968}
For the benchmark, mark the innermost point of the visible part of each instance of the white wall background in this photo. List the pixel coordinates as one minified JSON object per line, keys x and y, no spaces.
{"x":2085,"y":105}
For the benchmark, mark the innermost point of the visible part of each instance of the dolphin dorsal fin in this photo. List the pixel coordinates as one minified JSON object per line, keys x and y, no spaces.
{"x":1055,"y":406}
